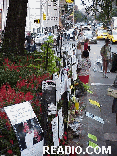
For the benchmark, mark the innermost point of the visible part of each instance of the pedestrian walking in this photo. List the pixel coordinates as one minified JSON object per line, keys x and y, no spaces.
{"x":28,"y":38}
{"x":58,"y":38}
{"x":32,"y":46}
{"x":80,"y":36}
{"x":86,"y":47}
{"x":83,"y":67}
{"x":73,"y":33}
{"x":79,"y":51}
{"x":68,"y":36}
{"x":106,"y":56}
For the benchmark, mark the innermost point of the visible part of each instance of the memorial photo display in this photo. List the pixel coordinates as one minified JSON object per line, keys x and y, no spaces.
{"x":27,"y":128}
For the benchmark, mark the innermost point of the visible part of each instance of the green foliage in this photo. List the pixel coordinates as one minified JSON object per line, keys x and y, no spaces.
{"x":79,"y":16}
{"x":102,"y":10}
{"x":114,"y":12}
{"x":46,"y":59}
{"x":11,"y":76}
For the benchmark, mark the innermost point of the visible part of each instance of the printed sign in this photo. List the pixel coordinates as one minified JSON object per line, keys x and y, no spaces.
{"x":61,"y":125}
{"x":28,"y":130}
{"x":55,"y":131}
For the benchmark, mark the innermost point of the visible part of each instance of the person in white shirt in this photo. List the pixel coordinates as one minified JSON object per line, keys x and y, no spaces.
{"x":79,"y":51}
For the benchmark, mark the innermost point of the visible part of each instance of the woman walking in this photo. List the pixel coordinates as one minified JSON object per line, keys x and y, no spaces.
{"x":83,"y":67}
{"x":86,"y":47}
{"x":106,"y":56}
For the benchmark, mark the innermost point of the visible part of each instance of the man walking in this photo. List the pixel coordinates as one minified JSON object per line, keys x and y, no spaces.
{"x":106,"y":56}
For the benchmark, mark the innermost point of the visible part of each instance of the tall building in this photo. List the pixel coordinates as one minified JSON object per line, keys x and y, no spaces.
{"x":45,"y":11}
{"x":4,"y":4}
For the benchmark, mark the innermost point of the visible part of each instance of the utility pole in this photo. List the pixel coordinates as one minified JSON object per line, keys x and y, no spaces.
{"x":73,"y":13}
{"x":40,"y":15}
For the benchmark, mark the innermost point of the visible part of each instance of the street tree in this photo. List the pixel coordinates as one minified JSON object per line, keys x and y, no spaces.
{"x":79,"y":16}
{"x":101,"y":8}
{"x":14,"y":37}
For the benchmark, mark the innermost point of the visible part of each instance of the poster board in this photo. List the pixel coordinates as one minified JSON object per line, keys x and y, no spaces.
{"x":61,"y":124}
{"x":28,"y":130}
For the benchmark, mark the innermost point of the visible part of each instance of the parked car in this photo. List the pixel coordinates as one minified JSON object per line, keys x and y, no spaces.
{"x":113,"y":36}
{"x":102,"y":34}
{"x":86,"y":28}
{"x":91,"y":36}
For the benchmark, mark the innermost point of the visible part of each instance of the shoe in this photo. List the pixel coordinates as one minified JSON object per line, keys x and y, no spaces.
{"x":106,"y":76}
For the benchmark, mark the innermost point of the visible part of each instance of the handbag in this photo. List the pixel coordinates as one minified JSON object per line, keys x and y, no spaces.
{"x":109,"y":65}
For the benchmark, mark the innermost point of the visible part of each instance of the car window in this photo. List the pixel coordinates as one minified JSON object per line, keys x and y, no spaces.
{"x":104,"y":31}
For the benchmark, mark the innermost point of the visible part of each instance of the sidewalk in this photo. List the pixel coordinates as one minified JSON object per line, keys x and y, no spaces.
{"x":106,"y":130}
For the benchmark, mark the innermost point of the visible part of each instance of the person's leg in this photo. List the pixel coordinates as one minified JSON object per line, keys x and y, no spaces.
{"x":103,"y":67}
{"x":106,"y":64}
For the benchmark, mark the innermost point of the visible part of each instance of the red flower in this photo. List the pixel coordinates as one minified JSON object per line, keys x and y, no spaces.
{"x":28,"y":96}
{"x":2,"y":115}
{"x":11,"y":141}
{"x":65,"y":137}
{"x":8,"y":124}
{"x":59,"y":140}
{"x":65,"y":133}
{"x":9,"y":151}
{"x":63,"y":142}
{"x":40,"y":94}
{"x":32,"y":86}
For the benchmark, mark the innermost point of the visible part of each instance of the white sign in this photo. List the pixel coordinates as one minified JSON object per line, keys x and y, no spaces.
{"x":61,"y":125}
{"x":27,"y":128}
{"x":74,"y":73}
{"x":20,"y":112}
{"x":55,"y":131}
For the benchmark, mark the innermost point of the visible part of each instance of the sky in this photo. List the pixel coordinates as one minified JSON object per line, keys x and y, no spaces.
{"x":79,"y":3}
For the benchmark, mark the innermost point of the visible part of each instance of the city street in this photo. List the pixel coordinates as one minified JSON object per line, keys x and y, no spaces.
{"x":54,"y":97}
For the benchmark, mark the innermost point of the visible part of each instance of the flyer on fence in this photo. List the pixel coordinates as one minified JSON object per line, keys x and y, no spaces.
{"x":28,"y":130}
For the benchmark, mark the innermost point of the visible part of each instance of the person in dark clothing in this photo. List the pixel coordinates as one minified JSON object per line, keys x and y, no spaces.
{"x":73,"y":33}
{"x":29,"y":38}
{"x":58,"y":38}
